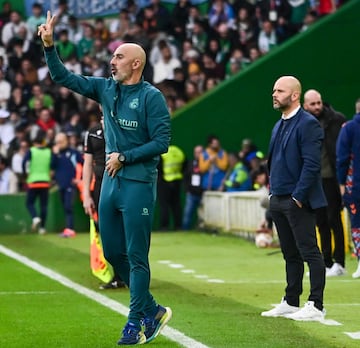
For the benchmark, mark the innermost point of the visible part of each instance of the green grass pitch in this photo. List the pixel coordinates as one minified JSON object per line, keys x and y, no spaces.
{"x":216,"y":285}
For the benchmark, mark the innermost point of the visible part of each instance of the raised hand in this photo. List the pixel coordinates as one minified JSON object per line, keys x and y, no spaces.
{"x":45,"y":31}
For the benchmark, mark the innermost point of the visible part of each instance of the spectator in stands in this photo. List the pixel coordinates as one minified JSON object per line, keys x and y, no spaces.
{"x":26,"y":45}
{"x":213,"y":48}
{"x":210,"y":83}
{"x":21,"y":134}
{"x":7,"y":131}
{"x":211,"y":68}
{"x":190,"y":56}
{"x":221,"y":12}
{"x":348,"y":169}
{"x":101,"y":53}
{"x":294,"y":196}
{"x":5,"y":91}
{"x":35,"y":19}
{"x":12,"y":28}
{"x":170,"y":178}
{"x":282,"y":30}
{"x":120,"y":26}
{"x":74,"y":126}
{"x":62,"y":17}
{"x":86,"y":43}
{"x":8,"y":179}
{"x":87,"y":65}
{"x":75,"y":29}
{"x":36,"y":166}
{"x":17,"y":102}
{"x":65,"y":105}
{"x":5,"y":14}
{"x":73,"y":65}
{"x":147,"y":19}
{"x":101,"y":31}
{"x":20,"y":82}
{"x":192,"y":90}
{"x":161,"y":15}
{"x":234,"y":67}
{"x":258,"y":19}
{"x":328,"y":219}
{"x":193,"y":188}
{"x":254,"y":54}
{"x":238,"y":54}
{"x":309,"y":19}
{"x":15,"y":56}
{"x":267,"y":37}
{"x":179,"y":17}
{"x":46,"y":100}
{"x":65,"y":165}
{"x":299,"y":9}
{"x":326,"y":7}
{"x":213,"y":164}
{"x":29,"y":71}
{"x":237,"y":177}
{"x":102,"y":38}
{"x":227,"y":40}
{"x":159,"y":41}
{"x":45,"y":122}
{"x":199,"y":36}
{"x":164,"y":67}
{"x":274,"y":9}
{"x":194,"y":15}
{"x":246,"y":30}
{"x":178,"y":83}
{"x":65,"y":48}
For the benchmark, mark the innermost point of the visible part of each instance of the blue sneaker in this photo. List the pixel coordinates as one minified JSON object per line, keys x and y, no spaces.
{"x":131,"y":335}
{"x":153,"y":325}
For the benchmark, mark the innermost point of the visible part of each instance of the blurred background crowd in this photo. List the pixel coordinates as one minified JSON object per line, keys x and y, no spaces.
{"x":191,"y":49}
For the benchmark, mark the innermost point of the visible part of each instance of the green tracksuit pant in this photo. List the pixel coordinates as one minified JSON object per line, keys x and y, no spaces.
{"x":126,"y":211}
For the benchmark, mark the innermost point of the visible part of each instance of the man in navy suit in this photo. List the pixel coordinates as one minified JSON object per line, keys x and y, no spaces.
{"x":295,"y":192}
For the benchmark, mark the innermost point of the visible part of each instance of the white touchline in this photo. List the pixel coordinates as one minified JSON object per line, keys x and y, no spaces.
{"x":176,"y":265}
{"x":168,"y":332}
{"x":191,"y":271}
{"x":29,"y":293}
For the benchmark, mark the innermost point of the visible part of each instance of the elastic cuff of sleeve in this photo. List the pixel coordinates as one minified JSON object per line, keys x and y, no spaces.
{"x":49,"y":48}
{"x":127,"y":156}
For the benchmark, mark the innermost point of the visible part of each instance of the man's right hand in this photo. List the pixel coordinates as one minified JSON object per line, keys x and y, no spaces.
{"x":88,"y":204}
{"x":45,"y":31}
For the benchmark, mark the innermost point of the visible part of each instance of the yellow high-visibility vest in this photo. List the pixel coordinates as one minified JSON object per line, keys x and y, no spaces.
{"x":173,"y":163}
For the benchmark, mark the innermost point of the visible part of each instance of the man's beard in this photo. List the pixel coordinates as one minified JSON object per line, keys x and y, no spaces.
{"x":284,"y":105}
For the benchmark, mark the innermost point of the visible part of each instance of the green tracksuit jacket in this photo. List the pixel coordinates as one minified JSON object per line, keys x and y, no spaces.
{"x":136,"y":123}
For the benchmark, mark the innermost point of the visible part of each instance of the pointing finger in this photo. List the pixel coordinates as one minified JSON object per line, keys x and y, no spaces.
{"x":52,"y":20}
{"x":48,"y":17}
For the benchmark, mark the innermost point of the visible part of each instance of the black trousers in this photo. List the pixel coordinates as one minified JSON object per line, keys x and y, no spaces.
{"x":169,"y":194}
{"x":297,"y":235}
{"x":329,"y":219}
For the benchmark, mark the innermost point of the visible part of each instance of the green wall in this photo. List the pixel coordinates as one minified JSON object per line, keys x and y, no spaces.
{"x":326,"y":58}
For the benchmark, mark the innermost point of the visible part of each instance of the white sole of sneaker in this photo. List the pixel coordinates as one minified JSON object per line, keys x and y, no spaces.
{"x":166,"y":320}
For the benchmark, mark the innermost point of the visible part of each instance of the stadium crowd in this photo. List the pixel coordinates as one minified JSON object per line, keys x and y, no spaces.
{"x":191,"y":48}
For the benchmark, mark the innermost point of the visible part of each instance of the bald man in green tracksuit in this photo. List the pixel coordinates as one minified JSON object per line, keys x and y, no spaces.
{"x":137,"y":131}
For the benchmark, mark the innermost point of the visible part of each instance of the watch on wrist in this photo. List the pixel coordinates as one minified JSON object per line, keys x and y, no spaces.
{"x":121,"y":158}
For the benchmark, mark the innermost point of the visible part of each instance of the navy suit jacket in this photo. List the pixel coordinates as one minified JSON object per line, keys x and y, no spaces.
{"x":301,"y":159}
